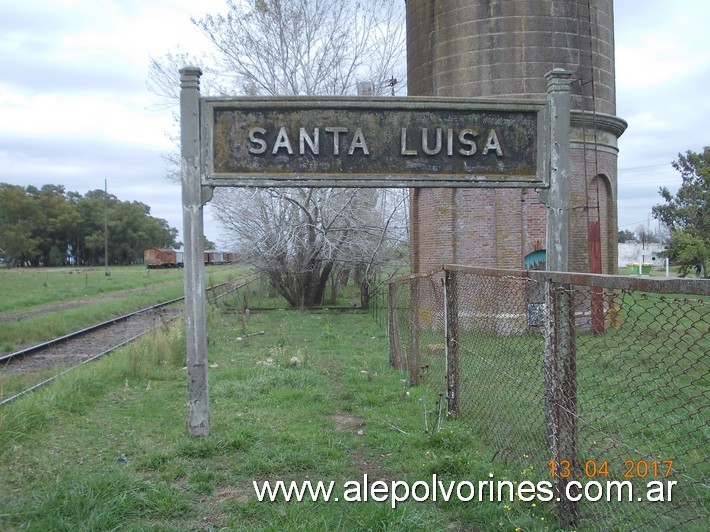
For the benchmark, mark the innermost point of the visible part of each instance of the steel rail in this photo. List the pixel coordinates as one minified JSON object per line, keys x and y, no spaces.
{"x":81,"y":332}
{"x":76,"y":334}
{"x":91,"y":359}
{"x":98,"y":326}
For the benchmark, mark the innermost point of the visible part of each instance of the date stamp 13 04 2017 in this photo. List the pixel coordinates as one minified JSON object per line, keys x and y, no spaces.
{"x":595,"y":468}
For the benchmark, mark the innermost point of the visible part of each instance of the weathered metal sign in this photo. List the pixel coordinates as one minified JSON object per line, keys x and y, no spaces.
{"x":372,"y":142}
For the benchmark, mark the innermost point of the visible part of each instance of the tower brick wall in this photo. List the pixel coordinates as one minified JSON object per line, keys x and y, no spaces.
{"x":502,"y":49}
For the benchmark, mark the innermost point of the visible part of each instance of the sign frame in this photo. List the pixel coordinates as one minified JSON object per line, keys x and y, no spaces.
{"x":354,"y":110}
{"x":553,"y":167}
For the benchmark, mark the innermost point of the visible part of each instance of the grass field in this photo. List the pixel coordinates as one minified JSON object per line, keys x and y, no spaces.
{"x":313,"y":398}
{"x":105,"y":447}
{"x":40,"y":304}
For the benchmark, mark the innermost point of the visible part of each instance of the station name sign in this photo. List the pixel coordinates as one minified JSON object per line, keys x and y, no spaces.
{"x":372,"y":142}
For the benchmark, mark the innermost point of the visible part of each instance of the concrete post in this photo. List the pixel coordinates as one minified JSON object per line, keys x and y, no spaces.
{"x":560,"y":364}
{"x":198,"y":423}
{"x":557,"y":197}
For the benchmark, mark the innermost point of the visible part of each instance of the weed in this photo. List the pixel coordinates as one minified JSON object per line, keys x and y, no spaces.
{"x":269,"y":421}
{"x":99,"y":502}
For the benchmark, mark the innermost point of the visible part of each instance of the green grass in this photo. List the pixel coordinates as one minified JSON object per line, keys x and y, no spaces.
{"x":105,"y":447}
{"x":641,"y":395}
{"x":146,"y":288}
{"x":27,"y":288}
{"x":656,"y":271}
{"x":101,"y":298}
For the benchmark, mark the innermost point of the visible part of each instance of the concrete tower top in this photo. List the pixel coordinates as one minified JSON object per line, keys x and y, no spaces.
{"x":504,"y":48}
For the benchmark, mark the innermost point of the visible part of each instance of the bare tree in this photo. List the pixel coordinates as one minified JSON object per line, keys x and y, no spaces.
{"x":164,"y":83}
{"x":300,"y":237}
{"x":379,"y":242}
{"x":306,"y":47}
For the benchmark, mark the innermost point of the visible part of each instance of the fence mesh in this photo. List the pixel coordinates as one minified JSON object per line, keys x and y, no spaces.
{"x":572,"y":377}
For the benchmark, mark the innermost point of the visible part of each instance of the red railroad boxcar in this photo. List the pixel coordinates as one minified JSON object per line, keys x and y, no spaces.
{"x":161,"y":258}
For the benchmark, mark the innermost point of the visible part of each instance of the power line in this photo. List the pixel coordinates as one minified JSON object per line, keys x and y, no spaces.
{"x":643,"y":167}
{"x":634,"y":223}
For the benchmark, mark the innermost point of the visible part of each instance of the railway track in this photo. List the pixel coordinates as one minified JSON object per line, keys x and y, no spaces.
{"x":91,"y":343}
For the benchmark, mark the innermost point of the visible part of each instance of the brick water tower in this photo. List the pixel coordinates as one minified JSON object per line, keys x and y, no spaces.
{"x":502,"y":49}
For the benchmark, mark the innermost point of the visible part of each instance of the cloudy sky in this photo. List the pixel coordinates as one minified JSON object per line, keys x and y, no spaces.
{"x":75,"y":109}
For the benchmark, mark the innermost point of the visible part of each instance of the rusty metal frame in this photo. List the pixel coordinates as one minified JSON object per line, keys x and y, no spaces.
{"x":699,"y":287}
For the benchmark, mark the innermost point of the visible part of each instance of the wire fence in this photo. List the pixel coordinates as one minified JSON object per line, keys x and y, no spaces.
{"x":572,"y":378}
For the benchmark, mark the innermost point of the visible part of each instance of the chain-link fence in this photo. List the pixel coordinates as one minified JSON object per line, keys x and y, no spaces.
{"x":572,"y":378}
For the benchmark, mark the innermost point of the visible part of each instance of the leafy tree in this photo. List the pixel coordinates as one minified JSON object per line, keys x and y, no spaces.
{"x":132,"y":229}
{"x":55,"y":223}
{"x":686,"y":213}
{"x":17,"y":212}
{"x":94,"y":207}
{"x":687,"y":250}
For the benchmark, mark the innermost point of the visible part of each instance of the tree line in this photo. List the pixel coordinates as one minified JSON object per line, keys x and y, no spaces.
{"x":49,"y":226}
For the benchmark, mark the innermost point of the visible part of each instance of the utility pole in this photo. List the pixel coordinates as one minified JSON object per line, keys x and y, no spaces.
{"x":392,"y":82}
{"x":106,"y":272}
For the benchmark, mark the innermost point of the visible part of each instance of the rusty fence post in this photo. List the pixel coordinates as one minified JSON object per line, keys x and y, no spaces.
{"x":560,"y":370}
{"x":395,"y":341}
{"x":414,"y":358}
{"x":451,"y":311}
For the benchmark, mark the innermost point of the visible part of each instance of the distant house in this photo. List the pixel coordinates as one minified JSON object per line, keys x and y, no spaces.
{"x":635,"y":252}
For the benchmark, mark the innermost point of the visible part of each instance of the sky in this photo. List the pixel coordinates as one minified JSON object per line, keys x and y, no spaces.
{"x":75,"y":109}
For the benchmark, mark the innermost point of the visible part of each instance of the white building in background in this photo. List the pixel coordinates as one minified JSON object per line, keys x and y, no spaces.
{"x":635,"y":252}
